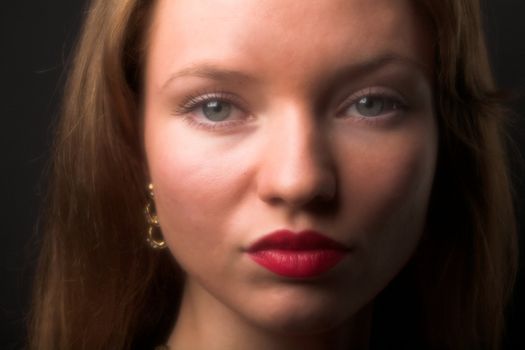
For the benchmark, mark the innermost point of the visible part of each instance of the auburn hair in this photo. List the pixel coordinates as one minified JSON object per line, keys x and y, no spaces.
{"x":98,"y":285}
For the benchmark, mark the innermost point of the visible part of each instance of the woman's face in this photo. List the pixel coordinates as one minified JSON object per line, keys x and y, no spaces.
{"x":268,"y":115}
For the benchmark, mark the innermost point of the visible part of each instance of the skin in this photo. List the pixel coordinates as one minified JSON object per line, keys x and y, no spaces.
{"x":295,"y":153}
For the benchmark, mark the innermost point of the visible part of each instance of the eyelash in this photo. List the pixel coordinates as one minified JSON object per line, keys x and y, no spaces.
{"x":374,"y":93}
{"x":194,"y":101}
{"x":197,"y":100}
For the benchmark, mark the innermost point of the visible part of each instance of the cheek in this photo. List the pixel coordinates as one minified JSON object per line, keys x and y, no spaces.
{"x":382,"y":178}
{"x":197,"y":186}
{"x":387,"y":194}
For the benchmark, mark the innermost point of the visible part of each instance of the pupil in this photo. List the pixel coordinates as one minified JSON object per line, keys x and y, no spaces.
{"x":216,"y":110}
{"x":370,"y":106}
{"x":215,"y":106}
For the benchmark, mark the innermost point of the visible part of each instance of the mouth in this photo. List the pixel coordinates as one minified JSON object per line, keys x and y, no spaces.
{"x":306,"y":254}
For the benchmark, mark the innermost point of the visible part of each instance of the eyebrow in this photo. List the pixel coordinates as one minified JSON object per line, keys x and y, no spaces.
{"x":215,"y":72}
{"x":209,"y":71}
{"x":371,"y":65}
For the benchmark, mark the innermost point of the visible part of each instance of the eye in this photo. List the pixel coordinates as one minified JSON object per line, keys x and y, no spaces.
{"x":373,"y":105}
{"x":370,"y":106}
{"x":216,"y":110}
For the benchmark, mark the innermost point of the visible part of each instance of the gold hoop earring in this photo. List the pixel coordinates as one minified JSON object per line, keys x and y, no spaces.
{"x":153,"y":223}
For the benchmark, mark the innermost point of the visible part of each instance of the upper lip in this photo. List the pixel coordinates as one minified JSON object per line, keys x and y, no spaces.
{"x":295,"y":241}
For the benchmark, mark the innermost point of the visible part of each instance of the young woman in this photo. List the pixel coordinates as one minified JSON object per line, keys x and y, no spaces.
{"x":322,"y":174}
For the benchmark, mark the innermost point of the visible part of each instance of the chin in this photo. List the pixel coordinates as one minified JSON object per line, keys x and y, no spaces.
{"x":294,"y":314}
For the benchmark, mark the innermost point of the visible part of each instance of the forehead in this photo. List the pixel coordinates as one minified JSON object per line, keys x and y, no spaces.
{"x":266,"y":35}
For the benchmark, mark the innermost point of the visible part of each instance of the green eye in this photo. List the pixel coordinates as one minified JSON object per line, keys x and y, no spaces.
{"x":374,"y":106}
{"x":371,"y":106}
{"x":216,"y":110}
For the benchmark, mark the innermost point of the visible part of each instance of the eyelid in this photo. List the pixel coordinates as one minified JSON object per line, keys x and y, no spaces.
{"x":189,"y":110}
{"x":195,"y":100}
{"x":377,"y":92}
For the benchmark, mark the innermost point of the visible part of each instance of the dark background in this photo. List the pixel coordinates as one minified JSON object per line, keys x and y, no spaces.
{"x":35,"y":42}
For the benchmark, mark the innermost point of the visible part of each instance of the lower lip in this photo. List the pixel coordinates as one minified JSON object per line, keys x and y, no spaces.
{"x":298,"y":264}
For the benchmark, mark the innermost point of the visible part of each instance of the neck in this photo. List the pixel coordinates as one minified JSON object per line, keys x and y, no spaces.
{"x":206,"y":323}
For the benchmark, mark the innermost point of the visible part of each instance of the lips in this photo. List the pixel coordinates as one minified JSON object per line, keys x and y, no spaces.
{"x":305,"y":254}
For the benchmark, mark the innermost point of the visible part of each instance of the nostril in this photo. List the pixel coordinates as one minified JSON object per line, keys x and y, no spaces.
{"x":316,"y":191}
{"x":319,"y":204}
{"x":322,"y":205}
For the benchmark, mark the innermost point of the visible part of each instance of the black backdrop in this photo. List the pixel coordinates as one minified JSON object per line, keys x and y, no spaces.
{"x":35,"y":39}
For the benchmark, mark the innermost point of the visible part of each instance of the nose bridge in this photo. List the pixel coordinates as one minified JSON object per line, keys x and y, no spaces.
{"x":296,"y":168}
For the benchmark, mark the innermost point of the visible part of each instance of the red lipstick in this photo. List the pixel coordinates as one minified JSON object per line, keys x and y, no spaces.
{"x":298,"y":255}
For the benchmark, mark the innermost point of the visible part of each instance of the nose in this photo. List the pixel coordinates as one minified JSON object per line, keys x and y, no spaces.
{"x":296,"y":169}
